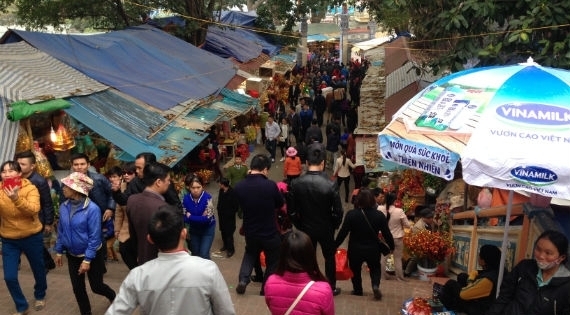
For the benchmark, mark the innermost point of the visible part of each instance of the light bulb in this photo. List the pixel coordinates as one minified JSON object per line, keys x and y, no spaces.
{"x":52,"y":135}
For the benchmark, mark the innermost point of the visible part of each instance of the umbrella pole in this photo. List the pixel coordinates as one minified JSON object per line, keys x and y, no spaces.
{"x":505,"y":241}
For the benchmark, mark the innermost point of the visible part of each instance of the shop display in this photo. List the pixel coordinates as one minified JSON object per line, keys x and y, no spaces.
{"x":42,"y":164}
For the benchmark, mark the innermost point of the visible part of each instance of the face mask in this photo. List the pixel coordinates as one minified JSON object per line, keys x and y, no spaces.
{"x":543,"y":265}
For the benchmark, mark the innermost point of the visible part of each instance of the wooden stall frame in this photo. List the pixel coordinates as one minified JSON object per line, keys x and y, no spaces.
{"x":475,"y":231}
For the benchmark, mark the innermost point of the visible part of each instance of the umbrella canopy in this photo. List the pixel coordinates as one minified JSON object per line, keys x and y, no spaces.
{"x":509,"y":125}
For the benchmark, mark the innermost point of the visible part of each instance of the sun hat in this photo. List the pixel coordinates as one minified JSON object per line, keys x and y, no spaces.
{"x":291,"y":151}
{"x":79,"y":182}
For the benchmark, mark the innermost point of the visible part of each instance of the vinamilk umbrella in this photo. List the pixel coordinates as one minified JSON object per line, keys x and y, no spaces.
{"x":509,"y":125}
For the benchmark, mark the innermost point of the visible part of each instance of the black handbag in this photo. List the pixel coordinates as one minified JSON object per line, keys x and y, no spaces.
{"x":382,"y":245}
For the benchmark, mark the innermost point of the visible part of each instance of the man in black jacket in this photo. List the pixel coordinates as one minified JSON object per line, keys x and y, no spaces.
{"x":259,"y":198}
{"x":27,"y":161}
{"x":314,"y":205}
{"x":136,"y":185}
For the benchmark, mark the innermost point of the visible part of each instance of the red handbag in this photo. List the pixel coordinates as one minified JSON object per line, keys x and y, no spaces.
{"x":343,"y":272}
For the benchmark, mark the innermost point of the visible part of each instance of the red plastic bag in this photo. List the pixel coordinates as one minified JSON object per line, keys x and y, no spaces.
{"x":343,"y":272}
{"x":262,"y":259}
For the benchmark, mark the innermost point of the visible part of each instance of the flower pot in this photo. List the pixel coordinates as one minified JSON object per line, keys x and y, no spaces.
{"x":425,"y":273}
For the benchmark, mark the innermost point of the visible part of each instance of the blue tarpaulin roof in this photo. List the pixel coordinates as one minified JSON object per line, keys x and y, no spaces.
{"x":231,"y":43}
{"x":129,"y":125}
{"x":232,"y":39}
{"x":238,"y":18}
{"x":143,"y":62}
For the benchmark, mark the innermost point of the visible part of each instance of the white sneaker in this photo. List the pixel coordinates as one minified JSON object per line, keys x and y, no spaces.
{"x":272,"y":160}
{"x":282,"y":159}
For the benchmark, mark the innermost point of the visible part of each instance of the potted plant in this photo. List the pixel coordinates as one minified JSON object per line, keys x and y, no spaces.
{"x":429,"y":248}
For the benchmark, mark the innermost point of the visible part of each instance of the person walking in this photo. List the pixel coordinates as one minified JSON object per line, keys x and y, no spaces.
{"x":199,"y":216}
{"x":227,"y":209}
{"x":314,"y":206}
{"x":298,"y":275}
{"x":363,"y":223}
{"x":259,"y":198}
{"x":342,"y":171}
{"x":292,"y":167}
{"x":20,"y":232}
{"x":101,"y":194}
{"x":127,"y":247}
{"x":272,"y":132}
{"x":27,"y":161}
{"x":174,"y":282}
{"x":397,"y":222}
{"x":141,"y":206}
{"x":79,"y":237}
{"x":295,"y":125}
{"x":283,"y":137}
{"x":320,"y":105}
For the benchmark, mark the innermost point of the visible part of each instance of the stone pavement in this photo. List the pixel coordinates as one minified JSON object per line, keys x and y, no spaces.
{"x":60,"y":299}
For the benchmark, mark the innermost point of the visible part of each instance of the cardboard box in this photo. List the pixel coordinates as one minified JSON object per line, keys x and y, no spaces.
{"x":253,"y":84}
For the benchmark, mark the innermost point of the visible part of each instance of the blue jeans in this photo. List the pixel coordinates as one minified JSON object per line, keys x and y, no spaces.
{"x":201,"y":240}
{"x":271,"y":146}
{"x":33,"y":247}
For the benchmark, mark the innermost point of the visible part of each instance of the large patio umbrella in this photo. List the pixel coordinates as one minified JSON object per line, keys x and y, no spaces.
{"x":509,"y":125}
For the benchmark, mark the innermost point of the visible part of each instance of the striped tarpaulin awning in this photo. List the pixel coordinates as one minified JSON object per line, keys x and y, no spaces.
{"x":27,"y":74}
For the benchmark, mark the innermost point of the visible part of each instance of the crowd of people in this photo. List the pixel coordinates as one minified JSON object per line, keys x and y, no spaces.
{"x":159,"y":232}
{"x":165,"y":238}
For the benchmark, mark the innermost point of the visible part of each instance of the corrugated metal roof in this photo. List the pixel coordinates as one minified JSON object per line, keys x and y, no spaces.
{"x":27,"y":74}
{"x":129,"y":126}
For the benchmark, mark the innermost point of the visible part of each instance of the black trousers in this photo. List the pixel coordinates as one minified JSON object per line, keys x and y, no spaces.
{"x":128,"y":252}
{"x":358,"y":255}
{"x":227,"y":227}
{"x":95,"y":274}
{"x":328,"y":250}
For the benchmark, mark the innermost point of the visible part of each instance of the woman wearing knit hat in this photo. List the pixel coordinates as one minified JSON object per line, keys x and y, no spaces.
{"x":79,"y":236}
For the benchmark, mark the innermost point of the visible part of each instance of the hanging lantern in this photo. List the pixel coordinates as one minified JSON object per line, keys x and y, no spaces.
{"x":62,"y":138}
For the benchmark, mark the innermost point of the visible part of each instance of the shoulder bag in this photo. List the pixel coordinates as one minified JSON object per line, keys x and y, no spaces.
{"x":382,"y":245}
{"x":305,"y":289}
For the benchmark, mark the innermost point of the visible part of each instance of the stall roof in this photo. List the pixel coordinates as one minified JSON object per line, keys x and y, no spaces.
{"x":143,"y":62}
{"x":27,"y":74}
{"x":372,"y":43}
{"x":231,"y":43}
{"x":128,"y":126}
{"x":239,"y":18}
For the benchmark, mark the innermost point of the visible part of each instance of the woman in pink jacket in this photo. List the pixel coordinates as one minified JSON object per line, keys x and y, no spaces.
{"x":297,"y":267}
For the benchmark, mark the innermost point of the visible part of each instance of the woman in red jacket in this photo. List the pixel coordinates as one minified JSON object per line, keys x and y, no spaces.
{"x":296,"y":271}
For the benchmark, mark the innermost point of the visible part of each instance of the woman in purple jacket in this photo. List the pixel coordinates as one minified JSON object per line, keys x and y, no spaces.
{"x":296,"y":268}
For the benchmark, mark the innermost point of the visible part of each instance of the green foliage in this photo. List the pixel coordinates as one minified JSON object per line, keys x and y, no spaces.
{"x":495,"y":32}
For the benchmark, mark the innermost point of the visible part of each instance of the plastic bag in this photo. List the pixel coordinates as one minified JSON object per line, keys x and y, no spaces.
{"x":343,"y":272}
